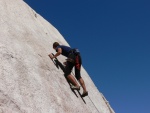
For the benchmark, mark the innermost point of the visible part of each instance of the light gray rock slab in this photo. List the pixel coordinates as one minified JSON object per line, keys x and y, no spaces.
{"x":29,"y":81}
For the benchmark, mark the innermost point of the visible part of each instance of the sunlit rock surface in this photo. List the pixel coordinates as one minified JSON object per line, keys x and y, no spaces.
{"x":29,"y":80}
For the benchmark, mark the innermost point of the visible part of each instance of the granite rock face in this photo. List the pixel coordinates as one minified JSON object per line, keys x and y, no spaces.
{"x":29,"y":80}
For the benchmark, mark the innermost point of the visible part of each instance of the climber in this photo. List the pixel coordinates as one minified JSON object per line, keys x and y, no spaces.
{"x":73,"y":59}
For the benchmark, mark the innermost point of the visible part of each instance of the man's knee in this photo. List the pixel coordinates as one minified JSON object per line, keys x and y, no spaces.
{"x":67,"y":72}
{"x":78,"y":77}
{"x":77,"y":74}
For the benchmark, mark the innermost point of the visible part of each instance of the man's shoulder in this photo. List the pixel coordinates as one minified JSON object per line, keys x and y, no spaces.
{"x":64,"y":47}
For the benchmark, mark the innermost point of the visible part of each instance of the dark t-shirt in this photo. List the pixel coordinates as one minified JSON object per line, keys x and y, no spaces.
{"x":65,"y":50}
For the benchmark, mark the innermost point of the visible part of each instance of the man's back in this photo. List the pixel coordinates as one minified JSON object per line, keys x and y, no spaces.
{"x":65,"y":50}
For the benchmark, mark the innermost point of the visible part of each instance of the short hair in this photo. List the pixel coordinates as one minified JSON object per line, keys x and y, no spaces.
{"x":55,"y":44}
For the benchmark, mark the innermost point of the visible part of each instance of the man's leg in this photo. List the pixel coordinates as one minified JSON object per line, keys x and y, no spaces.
{"x":73,"y":80}
{"x":81,"y":81}
{"x":78,"y":62}
{"x":70,"y":77}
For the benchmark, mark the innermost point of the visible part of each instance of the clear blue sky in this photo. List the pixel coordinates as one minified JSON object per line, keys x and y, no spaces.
{"x":114,"y":40}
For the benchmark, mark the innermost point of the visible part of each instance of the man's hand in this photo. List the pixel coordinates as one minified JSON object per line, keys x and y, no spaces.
{"x":65,"y":63}
{"x":51,"y":56}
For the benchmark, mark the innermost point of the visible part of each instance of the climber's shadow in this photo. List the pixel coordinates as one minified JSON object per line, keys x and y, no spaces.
{"x":59,"y":65}
{"x":62,"y":67}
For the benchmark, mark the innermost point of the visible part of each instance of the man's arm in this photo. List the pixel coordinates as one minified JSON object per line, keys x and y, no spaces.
{"x":59,"y":51}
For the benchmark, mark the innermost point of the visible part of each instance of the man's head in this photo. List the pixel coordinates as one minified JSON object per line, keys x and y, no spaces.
{"x":55,"y":44}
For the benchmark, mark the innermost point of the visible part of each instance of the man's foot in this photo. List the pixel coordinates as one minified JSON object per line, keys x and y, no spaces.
{"x":75,"y":87}
{"x":84,"y":94}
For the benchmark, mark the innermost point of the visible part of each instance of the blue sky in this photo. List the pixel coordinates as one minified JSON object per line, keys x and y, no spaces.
{"x":114,"y":40}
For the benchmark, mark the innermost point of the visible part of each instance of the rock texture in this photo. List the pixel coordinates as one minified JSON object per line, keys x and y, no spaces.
{"x":29,"y":80}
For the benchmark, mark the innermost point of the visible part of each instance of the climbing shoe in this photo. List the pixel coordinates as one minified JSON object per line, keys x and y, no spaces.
{"x":75,"y":87}
{"x":84,"y":94}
